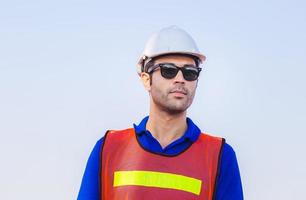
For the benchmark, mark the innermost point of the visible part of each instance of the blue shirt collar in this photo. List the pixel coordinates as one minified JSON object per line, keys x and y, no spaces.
{"x":192,"y":133}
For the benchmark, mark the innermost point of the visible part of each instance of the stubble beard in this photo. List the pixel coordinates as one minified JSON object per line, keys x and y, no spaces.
{"x":165,"y":101}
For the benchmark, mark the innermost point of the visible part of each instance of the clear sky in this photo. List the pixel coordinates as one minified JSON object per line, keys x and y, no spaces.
{"x":68,"y":73}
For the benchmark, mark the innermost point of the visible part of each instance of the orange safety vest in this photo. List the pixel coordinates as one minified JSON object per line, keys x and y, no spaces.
{"x":130,"y":172}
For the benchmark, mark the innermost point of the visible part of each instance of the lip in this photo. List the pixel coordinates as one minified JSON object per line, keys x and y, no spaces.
{"x":178,"y":93}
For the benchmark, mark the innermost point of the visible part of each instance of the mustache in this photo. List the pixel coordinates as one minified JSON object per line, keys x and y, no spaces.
{"x":179,"y":88}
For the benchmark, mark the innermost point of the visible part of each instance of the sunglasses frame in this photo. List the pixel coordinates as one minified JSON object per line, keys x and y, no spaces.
{"x":183,"y":69}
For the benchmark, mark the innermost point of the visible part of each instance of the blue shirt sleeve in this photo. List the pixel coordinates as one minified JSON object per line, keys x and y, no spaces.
{"x":229,"y":185}
{"x":89,"y":189}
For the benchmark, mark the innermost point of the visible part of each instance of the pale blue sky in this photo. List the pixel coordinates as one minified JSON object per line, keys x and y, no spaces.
{"x":68,"y":73}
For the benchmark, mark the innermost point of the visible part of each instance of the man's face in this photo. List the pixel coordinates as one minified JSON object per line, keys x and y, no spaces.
{"x":172,"y":95}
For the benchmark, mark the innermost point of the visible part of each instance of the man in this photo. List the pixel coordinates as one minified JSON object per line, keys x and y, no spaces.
{"x":166,"y":156}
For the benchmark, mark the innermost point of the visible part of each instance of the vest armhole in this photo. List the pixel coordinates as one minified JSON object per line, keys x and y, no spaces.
{"x":218,"y":168}
{"x":100,"y":163}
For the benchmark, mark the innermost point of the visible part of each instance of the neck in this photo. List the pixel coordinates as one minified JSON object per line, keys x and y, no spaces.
{"x":166,"y":127}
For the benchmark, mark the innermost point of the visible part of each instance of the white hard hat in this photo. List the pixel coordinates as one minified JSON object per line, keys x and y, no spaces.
{"x":169,"y":40}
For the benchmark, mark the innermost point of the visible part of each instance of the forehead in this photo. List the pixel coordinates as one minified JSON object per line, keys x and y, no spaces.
{"x":177,"y":59}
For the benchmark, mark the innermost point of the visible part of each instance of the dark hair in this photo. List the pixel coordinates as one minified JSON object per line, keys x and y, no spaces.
{"x":148,"y":65}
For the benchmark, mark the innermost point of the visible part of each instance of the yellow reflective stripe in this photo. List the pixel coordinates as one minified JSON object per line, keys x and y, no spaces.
{"x":157,"y":179}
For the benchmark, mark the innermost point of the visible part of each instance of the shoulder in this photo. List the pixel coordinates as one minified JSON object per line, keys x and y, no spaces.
{"x":210,"y":136}
{"x":228,"y":150}
{"x":94,"y":156}
{"x":119,"y":132}
{"x":118,"y":136}
{"x":228,"y":157}
{"x":108,"y":133}
{"x":227,"y":153}
{"x":205,"y":138}
{"x":229,"y":181}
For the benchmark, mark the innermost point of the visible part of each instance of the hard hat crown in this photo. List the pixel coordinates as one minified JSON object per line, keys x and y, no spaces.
{"x":169,"y":40}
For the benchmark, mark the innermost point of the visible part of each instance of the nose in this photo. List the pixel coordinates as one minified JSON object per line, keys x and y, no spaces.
{"x":179,"y":78}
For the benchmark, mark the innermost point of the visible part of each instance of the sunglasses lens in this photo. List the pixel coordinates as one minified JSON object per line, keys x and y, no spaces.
{"x":168,"y":71}
{"x":190,"y":73}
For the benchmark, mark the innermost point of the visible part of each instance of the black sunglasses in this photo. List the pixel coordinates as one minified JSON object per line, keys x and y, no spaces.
{"x":170,"y":70}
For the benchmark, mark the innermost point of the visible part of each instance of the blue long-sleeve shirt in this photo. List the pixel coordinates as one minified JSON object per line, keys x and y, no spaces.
{"x":228,"y":185}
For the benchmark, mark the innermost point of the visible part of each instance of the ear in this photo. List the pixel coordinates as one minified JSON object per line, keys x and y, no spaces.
{"x":145,"y":78}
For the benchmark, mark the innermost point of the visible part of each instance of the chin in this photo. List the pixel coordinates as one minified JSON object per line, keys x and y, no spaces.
{"x":177,"y":109}
{"x":175,"y":112}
